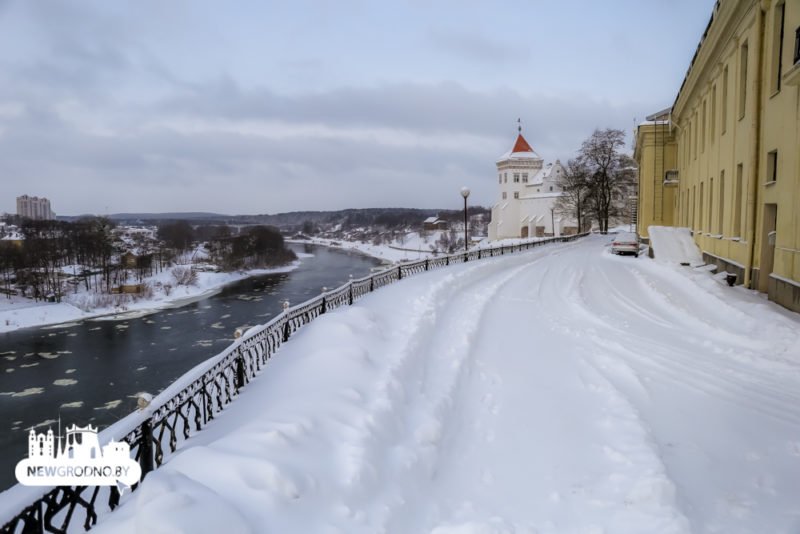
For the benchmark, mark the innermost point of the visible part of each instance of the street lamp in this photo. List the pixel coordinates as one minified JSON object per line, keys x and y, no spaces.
{"x":465,"y":194}
{"x":552,"y":222}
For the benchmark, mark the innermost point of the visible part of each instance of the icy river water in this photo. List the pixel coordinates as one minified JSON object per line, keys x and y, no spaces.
{"x":90,"y":372}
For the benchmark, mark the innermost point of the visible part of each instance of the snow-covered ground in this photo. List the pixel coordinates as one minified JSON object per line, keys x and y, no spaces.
{"x":20,"y":312}
{"x":558,"y":390}
{"x":411,"y":247}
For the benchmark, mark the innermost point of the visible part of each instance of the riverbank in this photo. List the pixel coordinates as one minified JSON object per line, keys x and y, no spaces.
{"x":20,"y":312}
{"x":413,"y":247}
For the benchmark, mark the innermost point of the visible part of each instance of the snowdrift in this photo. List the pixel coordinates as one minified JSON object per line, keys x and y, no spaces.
{"x":674,"y":245}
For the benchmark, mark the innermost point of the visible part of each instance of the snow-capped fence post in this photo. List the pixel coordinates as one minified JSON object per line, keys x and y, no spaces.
{"x":399,"y":272}
{"x":286,"y":326}
{"x":350,"y":291}
{"x":240,"y":370}
{"x":146,"y":447}
{"x":447,"y":260}
{"x":371,"y":284}
{"x":426,"y":264}
{"x":324,"y":300}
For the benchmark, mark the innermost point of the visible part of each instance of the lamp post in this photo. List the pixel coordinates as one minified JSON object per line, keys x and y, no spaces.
{"x":465,"y":194}
{"x":552,"y":222}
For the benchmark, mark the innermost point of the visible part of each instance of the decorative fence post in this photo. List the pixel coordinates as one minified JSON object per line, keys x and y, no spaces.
{"x":371,"y":284}
{"x":350,"y":292}
{"x":399,"y":272}
{"x":240,"y":370}
{"x":286,"y":327}
{"x":324,"y":300}
{"x":146,"y":447}
{"x":426,"y":264}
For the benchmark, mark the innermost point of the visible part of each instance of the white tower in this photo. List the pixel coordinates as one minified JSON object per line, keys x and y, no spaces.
{"x":528,"y":190}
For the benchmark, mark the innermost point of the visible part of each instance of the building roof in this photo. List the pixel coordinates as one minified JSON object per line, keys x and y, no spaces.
{"x":521,"y":150}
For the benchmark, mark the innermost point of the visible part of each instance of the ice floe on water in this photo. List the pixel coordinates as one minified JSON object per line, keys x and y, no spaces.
{"x":166,"y":328}
{"x":10,"y":358}
{"x":6,"y":353}
{"x":217,"y":325}
{"x":110,"y":405}
{"x":70,"y":371}
{"x":203,"y":343}
{"x":225,"y":316}
{"x":62,"y":325}
{"x":64,"y":352}
{"x":43,"y":423}
{"x":95,"y":329}
{"x":65,"y":382}
{"x":10,"y":370}
{"x":29,"y":364}
{"x":142,"y":368}
{"x":48,"y":355}
{"x":75,"y":404}
{"x":23,"y":393}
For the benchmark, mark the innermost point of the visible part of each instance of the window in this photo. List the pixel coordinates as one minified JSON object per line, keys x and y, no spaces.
{"x":516,"y":194}
{"x":777,"y":45}
{"x":724,"y":118}
{"x":710,"y":226}
{"x":500,"y":177}
{"x":516,"y":178}
{"x":505,"y":195}
{"x":721,"y":204}
{"x":712,"y":124}
{"x":551,"y":188}
{"x":737,"y":202}
{"x":505,"y":177}
{"x":700,"y":220}
{"x":797,"y":46}
{"x":772,"y":166}
{"x":742,"y":80}
{"x":703,"y":129}
{"x":525,"y":178}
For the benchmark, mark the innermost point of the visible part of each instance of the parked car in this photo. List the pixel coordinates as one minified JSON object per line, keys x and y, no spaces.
{"x":625,"y":243}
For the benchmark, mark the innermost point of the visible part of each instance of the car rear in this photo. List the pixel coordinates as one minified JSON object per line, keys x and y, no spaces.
{"x":625,"y":243}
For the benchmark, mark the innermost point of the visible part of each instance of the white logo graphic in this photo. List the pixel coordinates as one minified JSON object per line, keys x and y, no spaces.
{"x":79,"y":461}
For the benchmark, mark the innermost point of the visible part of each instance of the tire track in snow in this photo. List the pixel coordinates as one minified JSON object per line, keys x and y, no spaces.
{"x":434,"y":359}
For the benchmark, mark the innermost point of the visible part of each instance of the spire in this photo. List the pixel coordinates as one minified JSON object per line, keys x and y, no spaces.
{"x":521,"y":145}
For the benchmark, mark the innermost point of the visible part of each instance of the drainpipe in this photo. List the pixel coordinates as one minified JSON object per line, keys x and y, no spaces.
{"x":755,"y":130}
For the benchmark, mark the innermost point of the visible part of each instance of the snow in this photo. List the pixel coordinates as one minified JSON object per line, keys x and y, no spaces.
{"x":558,"y":390}
{"x":674,"y":245}
{"x":19,"y":312}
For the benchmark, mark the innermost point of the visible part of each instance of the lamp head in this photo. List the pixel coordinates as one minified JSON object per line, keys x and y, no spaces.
{"x":464,"y":192}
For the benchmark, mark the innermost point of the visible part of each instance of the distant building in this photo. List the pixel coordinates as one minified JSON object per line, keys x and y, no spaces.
{"x":34,"y":208}
{"x":528,"y":193}
{"x":434,"y":223}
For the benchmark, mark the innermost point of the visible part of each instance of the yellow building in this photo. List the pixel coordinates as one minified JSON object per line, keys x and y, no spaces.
{"x":736,"y":125}
{"x":656,"y":153}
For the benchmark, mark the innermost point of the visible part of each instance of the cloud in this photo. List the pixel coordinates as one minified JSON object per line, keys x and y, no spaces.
{"x":471,"y":46}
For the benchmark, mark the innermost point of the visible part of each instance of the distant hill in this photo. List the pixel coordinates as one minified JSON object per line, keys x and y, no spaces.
{"x":295,"y":219}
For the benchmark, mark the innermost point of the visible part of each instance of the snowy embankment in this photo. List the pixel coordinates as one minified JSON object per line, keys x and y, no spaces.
{"x":558,"y":390}
{"x":411,"y":247}
{"x":20,"y":312}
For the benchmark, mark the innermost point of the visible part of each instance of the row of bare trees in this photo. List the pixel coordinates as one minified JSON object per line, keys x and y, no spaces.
{"x":596,"y":182}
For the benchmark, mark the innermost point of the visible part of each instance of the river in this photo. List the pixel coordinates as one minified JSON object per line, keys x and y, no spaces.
{"x":91,"y":371}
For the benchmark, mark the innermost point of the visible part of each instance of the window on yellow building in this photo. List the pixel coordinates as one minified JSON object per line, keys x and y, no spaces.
{"x":721,"y":204}
{"x":737,"y":202}
{"x":516,"y":194}
{"x":772,"y":166}
{"x":712,"y":122}
{"x":703,"y":129}
{"x":779,"y":16}
{"x":505,"y":195}
{"x":724,"y":118}
{"x":710,"y":227}
{"x":742,"y":79}
{"x":700,"y":220}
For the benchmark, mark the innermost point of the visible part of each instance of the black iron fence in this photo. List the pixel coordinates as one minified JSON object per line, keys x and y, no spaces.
{"x":158,"y":435}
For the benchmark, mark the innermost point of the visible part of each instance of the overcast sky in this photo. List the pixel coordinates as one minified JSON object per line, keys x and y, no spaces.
{"x":262,"y":107}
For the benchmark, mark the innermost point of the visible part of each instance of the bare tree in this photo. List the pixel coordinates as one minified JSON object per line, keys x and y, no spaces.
{"x":609,"y":172}
{"x":576,"y":187}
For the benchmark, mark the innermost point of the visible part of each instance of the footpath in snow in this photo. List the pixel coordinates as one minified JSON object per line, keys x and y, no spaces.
{"x":558,"y":390}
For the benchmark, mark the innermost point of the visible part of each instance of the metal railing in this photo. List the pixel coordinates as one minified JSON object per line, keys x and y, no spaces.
{"x":158,"y":435}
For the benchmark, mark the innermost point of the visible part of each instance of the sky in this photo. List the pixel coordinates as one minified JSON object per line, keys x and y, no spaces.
{"x":245,"y":107}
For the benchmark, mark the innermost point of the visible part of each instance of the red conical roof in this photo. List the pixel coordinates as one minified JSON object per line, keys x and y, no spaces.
{"x":521,"y":145}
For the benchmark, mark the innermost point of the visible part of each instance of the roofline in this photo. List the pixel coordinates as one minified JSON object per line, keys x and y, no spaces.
{"x":696,"y":52}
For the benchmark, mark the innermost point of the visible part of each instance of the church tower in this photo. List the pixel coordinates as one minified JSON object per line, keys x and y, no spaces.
{"x":528,"y":190}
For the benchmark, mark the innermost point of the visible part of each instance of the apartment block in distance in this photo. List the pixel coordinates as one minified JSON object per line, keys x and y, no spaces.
{"x":34,"y":208}
{"x":724,"y":160}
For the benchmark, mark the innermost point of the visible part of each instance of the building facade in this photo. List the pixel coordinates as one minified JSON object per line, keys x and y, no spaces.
{"x":528,"y":191}
{"x":735,"y":131}
{"x":34,"y":208}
